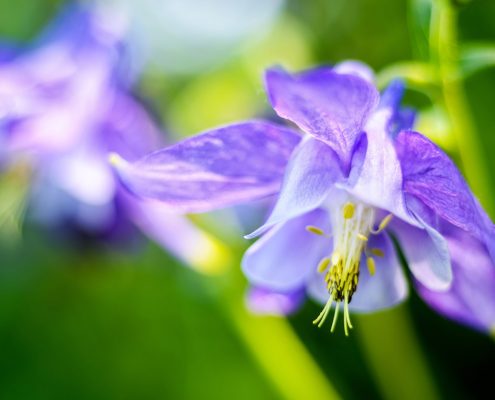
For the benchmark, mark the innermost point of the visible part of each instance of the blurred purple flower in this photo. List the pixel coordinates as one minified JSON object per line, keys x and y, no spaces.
{"x":65,"y":104}
{"x":358,"y":176}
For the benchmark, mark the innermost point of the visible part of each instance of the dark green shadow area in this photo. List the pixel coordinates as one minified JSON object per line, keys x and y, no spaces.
{"x":135,"y":326}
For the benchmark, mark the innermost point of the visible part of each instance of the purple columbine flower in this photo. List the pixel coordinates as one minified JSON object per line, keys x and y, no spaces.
{"x":359,"y":177}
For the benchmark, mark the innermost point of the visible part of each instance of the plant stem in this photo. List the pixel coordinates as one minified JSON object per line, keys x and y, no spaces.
{"x":281,"y":355}
{"x":272,"y":342}
{"x":395,"y":356}
{"x":444,"y":49}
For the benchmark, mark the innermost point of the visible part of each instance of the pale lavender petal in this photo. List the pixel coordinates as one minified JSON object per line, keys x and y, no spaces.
{"x":426,"y":253}
{"x":430,"y":176}
{"x":471,"y":299}
{"x":387,"y":287}
{"x":268,"y":302}
{"x":330,"y":106}
{"x":174,"y":232}
{"x":378,"y":180}
{"x":129,"y":130}
{"x":222,"y":167}
{"x":284,"y":258}
{"x":82,"y":172}
{"x":311,"y":172}
{"x":357,"y":68}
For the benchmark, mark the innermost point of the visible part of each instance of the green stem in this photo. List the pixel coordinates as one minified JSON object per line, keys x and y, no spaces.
{"x":281,"y":355}
{"x":444,"y":49}
{"x":395,"y":356}
{"x":271,"y":340}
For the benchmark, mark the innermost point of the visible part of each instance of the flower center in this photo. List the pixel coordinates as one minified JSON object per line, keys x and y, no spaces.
{"x":352,"y":224}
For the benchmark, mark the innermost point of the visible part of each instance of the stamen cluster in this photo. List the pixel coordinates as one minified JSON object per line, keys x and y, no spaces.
{"x":352,"y":224}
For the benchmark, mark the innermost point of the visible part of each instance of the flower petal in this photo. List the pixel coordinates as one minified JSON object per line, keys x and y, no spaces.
{"x":387,"y":287}
{"x":268,"y":302}
{"x":430,"y":176}
{"x":471,"y":299}
{"x":391,"y":97}
{"x":427,"y":255}
{"x":128,"y":129}
{"x":283,"y":258}
{"x":175,"y":233}
{"x":52,"y":94}
{"x":330,"y":106}
{"x":311,"y":171}
{"x":401,"y":118}
{"x":378,"y":180}
{"x":221,"y":167}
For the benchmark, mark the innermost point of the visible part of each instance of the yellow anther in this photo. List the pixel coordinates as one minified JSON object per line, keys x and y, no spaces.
{"x":322,"y":266}
{"x":315,"y":230}
{"x":377,"y":252}
{"x":370,"y":263}
{"x":385,"y":222}
{"x":348,"y":210}
{"x":362,"y":237}
{"x":114,"y":159}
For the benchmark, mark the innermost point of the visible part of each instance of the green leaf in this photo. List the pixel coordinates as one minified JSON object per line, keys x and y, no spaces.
{"x":415,"y":73}
{"x":419,"y":27}
{"x":476,"y":57}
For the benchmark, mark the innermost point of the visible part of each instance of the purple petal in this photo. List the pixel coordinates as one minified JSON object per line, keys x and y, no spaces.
{"x":129,"y":130}
{"x":268,"y":302}
{"x":330,"y":106}
{"x":219,"y":168}
{"x":54,"y":93}
{"x":391,"y":97}
{"x":401,"y":118}
{"x":283,"y":258}
{"x":378,"y":180}
{"x":82,"y":172}
{"x":311,"y":171}
{"x":427,"y":255}
{"x":430,"y":176}
{"x":471,"y":299}
{"x":174,"y":232}
{"x":385,"y":289}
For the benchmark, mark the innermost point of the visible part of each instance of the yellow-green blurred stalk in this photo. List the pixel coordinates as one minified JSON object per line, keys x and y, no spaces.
{"x":444,"y":52}
{"x":394,"y":355}
{"x":280,"y":353}
{"x":271,"y":340}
